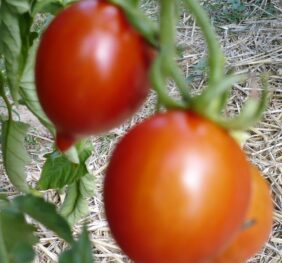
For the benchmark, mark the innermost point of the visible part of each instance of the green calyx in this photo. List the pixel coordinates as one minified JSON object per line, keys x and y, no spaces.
{"x":211,"y":102}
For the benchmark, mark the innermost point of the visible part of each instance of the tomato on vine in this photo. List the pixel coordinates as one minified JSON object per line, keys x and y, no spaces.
{"x":258,"y":224}
{"x":91,"y":70}
{"x":176,"y":190}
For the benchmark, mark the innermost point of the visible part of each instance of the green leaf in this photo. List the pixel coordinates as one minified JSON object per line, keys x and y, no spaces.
{"x":3,"y":251}
{"x":237,"y":5}
{"x":15,"y":157}
{"x":200,"y":67}
{"x":3,"y":194}
{"x":4,"y":202}
{"x":27,"y":89}
{"x":75,"y":205}
{"x":16,"y":237}
{"x":87,"y":186}
{"x":80,"y":251}
{"x":59,"y":171}
{"x":14,"y":25}
{"x":47,"y":6}
{"x":45,"y":213}
{"x":27,"y":38}
{"x":18,"y":6}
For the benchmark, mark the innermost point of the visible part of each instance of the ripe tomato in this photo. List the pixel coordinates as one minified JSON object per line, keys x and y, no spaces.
{"x":250,"y":240}
{"x":91,"y":70}
{"x":176,"y":190}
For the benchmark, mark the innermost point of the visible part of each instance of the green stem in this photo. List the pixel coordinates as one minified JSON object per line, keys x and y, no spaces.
{"x":159,"y":85}
{"x":215,"y":98}
{"x":9,"y":107}
{"x":35,"y":192}
{"x":139,"y":20}
{"x":134,"y":2}
{"x":167,"y":44}
{"x":250,"y":113}
{"x":167,"y":28}
{"x":221,"y":87}
{"x":3,"y":95}
{"x":215,"y":56}
{"x":180,"y":82}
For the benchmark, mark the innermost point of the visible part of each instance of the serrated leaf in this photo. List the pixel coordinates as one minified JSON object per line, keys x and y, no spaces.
{"x":47,"y":6}
{"x":12,"y":22}
{"x":27,"y":89}
{"x":16,"y":237}
{"x":59,"y":171}
{"x":87,"y":186}
{"x":45,"y":213}
{"x":80,"y":251}
{"x":75,"y":205}
{"x":15,"y":157}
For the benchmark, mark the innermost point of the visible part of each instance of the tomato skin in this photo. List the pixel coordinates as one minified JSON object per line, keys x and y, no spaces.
{"x":250,"y":240}
{"x":91,"y":69}
{"x":176,"y":190}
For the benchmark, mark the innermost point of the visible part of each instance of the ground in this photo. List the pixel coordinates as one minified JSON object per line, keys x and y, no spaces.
{"x":251,"y":37}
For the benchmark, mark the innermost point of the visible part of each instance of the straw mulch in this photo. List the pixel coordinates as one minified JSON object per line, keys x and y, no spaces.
{"x":252,"y":42}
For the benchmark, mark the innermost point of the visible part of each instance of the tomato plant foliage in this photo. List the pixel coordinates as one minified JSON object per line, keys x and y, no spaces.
{"x":18,"y":46}
{"x":81,"y":251}
{"x":16,"y":235}
{"x":58,"y":172}
{"x":13,"y":134}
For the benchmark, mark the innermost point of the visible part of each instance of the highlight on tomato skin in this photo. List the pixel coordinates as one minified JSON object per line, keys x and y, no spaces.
{"x":92,"y":69}
{"x":251,"y":239}
{"x":177,"y":189}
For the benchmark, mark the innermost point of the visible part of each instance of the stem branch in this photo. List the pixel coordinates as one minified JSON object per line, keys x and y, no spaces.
{"x":3,"y":95}
{"x":167,"y":28}
{"x":215,"y":56}
{"x":167,"y":46}
{"x":160,"y":87}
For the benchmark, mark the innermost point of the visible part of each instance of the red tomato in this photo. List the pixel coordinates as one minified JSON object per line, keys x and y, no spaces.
{"x":251,"y":239}
{"x":91,"y":70}
{"x":176,"y":190}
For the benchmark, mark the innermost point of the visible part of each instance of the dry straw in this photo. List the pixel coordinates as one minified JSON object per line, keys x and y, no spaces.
{"x":252,"y":42}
